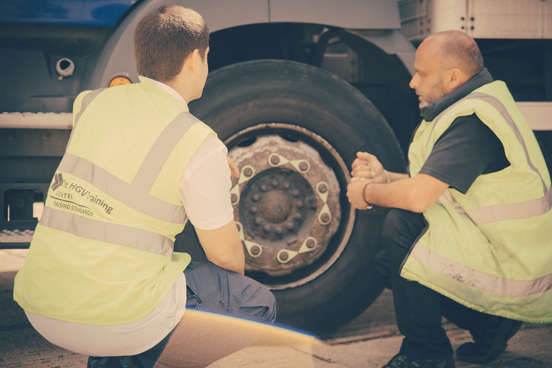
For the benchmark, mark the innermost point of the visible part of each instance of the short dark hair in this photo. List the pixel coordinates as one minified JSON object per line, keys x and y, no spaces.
{"x":165,"y":38}
{"x":460,"y":51}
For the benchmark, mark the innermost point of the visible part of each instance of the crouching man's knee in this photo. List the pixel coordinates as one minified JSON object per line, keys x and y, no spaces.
{"x":400,"y":230}
{"x":258,"y":303}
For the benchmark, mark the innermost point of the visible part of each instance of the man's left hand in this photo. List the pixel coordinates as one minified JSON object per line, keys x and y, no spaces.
{"x":356,"y":195}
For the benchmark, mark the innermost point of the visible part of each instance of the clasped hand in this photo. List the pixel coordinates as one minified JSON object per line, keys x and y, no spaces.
{"x":366,"y":169}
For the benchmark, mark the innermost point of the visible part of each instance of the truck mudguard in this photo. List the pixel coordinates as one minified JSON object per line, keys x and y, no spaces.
{"x":117,"y":57}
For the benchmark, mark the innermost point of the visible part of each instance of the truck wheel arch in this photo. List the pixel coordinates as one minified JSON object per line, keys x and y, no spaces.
{"x":117,"y":55}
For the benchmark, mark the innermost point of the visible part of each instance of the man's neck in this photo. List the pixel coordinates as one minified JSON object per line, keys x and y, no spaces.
{"x":166,"y":87}
{"x":182,"y":88}
{"x":431,"y":111}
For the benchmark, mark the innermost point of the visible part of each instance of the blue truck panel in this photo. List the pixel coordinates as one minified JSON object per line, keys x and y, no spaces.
{"x":99,"y":13}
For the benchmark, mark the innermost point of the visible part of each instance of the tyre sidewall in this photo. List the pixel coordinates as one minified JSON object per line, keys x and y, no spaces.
{"x":248,"y":94}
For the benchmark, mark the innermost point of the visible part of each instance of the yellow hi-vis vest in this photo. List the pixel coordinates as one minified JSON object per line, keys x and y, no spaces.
{"x":491,"y":248}
{"x":102,"y":253}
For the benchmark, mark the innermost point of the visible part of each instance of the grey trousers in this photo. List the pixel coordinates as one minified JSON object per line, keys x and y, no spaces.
{"x":212,"y":289}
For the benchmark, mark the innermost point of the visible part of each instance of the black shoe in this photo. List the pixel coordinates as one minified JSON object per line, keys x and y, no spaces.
{"x":113,"y":362}
{"x":403,"y":361}
{"x":489,"y":342}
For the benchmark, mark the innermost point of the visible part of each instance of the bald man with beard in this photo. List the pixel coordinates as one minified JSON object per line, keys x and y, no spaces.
{"x":458,"y":222}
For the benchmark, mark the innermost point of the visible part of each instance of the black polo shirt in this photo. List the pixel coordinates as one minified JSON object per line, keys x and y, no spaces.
{"x":467,"y":149}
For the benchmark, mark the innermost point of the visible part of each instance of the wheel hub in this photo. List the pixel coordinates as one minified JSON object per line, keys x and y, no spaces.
{"x":286,"y":204}
{"x":274,"y":206}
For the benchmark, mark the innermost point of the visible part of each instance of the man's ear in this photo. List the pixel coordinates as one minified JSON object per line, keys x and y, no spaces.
{"x":192,"y":61}
{"x":453,"y":79}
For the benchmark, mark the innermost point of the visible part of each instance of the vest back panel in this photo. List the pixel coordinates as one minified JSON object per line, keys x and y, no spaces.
{"x":103,"y":250}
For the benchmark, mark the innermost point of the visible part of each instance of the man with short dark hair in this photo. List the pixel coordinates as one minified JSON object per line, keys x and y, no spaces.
{"x":468,"y":236}
{"x":101,"y":277}
{"x":164,"y":38}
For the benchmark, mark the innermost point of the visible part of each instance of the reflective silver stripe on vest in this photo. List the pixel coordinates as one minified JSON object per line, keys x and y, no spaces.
{"x":85,"y":102}
{"x":135,"y":195}
{"x":510,"y":211}
{"x":495,"y":102}
{"x":478,"y":279}
{"x":121,"y":190}
{"x":106,"y":232}
{"x":160,"y":151}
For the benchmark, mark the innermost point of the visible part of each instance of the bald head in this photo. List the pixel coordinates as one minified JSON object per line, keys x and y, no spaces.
{"x":456,"y":49}
{"x":444,"y":61}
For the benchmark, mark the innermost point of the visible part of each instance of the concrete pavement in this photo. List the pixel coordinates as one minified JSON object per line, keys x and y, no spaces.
{"x":368,"y":341}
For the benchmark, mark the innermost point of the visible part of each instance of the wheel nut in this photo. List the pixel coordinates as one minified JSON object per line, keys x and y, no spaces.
{"x":297,"y":216}
{"x":299,"y":204}
{"x":325,"y":217}
{"x":267,"y":228}
{"x":255,"y":250}
{"x":284,"y":256}
{"x":263,"y":188}
{"x":274,"y":160}
{"x":279,"y":230}
{"x":258,"y":220}
{"x":289,"y":225}
{"x":295,"y":192}
{"x":287,"y":185}
{"x":247,"y":171}
{"x":303,"y":166}
{"x":233,"y":198}
{"x":274,"y":183}
{"x":253,"y":209}
{"x":322,"y":188}
{"x":310,"y":243}
{"x":256,"y":197}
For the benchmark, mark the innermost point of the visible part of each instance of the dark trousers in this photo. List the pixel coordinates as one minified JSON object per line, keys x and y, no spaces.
{"x":212,"y":289}
{"x":418,"y":309}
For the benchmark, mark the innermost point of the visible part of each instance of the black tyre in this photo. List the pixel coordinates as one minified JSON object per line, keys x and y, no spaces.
{"x":294,"y":131}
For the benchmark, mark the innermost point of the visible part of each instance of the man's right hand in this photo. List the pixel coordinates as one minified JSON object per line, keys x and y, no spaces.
{"x":234,"y":171}
{"x":368,"y":167}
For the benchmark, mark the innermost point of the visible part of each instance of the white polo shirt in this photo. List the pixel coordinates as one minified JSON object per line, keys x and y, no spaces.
{"x":205,"y":191}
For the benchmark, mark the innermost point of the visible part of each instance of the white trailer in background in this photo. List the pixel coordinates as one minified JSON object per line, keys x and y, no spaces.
{"x":514,"y":37}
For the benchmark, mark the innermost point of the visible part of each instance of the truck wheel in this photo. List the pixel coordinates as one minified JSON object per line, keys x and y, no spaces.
{"x":294,"y":130}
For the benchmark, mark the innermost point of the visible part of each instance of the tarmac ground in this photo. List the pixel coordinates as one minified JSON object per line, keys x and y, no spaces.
{"x":368,"y":341}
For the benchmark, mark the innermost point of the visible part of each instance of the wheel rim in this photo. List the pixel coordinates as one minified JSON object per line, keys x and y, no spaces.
{"x":292,"y":217}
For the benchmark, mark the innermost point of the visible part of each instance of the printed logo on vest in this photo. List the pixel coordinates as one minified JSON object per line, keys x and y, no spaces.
{"x":69,"y":196}
{"x":58,"y":181}
{"x":70,"y":205}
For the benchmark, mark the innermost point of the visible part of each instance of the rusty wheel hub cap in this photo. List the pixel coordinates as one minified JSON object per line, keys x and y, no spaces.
{"x":276,"y":206}
{"x":286,"y":204}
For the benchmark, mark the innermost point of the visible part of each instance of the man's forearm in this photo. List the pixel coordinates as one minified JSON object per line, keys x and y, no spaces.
{"x":397,"y":176}
{"x":232,"y":261}
{"x":397,"y":194}
{"x":411,"y":194}
{"x":223,"y":247}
